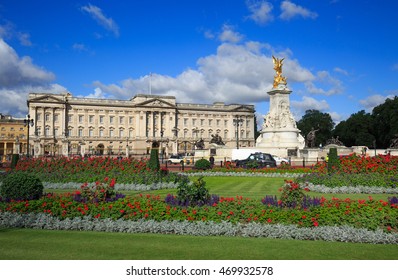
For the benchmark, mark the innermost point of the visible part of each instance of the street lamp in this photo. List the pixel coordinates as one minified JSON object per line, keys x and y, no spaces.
{"x":28,"y":122}
{"x":238,"y":121}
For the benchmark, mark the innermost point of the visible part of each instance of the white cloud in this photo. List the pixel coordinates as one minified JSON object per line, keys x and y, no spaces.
{"x":236,"y":73}
{"x":97,"y":15}
{"x":291,"y":10}
{"x":324,"y":78}
{"x":298,"y":108}
{"x":16,"y":71}
{"x":261,"y":12}
{"x":341,"y":71}
{"x":374,"y":100}
{"x":18,"y":77}
{"x":229,"y":35}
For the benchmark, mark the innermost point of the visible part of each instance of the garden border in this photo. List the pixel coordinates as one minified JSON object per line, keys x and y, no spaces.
{"x":277,"y":231}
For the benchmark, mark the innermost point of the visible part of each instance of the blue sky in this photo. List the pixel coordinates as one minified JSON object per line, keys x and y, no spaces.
{"x":341,"y":56}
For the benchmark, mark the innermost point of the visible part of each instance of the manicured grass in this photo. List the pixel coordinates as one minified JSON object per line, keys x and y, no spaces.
{"x":28,"y":244}
{"x":249,"y":187}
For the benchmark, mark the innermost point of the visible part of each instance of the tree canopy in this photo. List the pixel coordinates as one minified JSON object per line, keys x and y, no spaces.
{"x":314,"y":119}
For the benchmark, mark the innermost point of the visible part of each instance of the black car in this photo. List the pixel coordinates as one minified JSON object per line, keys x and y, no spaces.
{"x":257,"y":160}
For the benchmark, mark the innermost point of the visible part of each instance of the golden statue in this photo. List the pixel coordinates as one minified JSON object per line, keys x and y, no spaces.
{"x":278,"y":78}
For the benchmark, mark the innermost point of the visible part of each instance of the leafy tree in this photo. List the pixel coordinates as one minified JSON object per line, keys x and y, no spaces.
{"x":314,"y":119}
{"x":357,"y":130}
{"x":386,"y":122}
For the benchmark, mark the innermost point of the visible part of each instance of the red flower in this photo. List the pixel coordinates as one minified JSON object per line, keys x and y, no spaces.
{"x":316,"y":224}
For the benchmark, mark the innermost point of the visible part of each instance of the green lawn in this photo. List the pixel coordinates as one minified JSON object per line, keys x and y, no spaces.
{"x":251,"y":187}
{"x":29,"y":244}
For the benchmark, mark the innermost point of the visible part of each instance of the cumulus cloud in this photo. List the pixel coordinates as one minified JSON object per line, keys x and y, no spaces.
{"x":374,"y":100}
{"x":97,"y":14}
{"x":308,"y":103}
{"x":229,"y":35}
{"x":291,"y":10}
{"x":335,"y":86}
{"x":236,"y":73}
{"x":16,"y":71}
{"x":18,"y":77}
{"x":261,"y":12}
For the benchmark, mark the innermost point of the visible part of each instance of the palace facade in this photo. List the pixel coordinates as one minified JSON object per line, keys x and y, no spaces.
{"x":67,"y":125}
{"x":13,"y":134}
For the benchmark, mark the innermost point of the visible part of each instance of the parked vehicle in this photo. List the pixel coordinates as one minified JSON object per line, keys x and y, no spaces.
{"x":177,"y":159}
{"x":257,"y":160}
{"x":280,"y":160}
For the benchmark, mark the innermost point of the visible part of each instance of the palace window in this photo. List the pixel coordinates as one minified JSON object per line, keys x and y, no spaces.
{"x":111,"y":119}
{"x":101,"y":119}
{"x":91,"y":119}
{"x":121,"y":120}
{"x":81,"y":118}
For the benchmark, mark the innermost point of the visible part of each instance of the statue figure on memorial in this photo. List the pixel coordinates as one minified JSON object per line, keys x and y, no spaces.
{"x":216,"y":139}
{"x":278,"y":78}
{"x":334,"y":141}
{"x":310,"y":139}
{"x":394,"y":142}
{"x":200,"y":144}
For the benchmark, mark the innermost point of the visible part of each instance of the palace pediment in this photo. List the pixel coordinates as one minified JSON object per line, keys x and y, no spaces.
{"x":156,"y":103}
{"x":47,"y":98}
{"x":243,"y":108}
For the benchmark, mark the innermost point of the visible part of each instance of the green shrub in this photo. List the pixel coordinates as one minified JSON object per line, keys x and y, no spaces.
{"x":194,"y":193}
{"x":333,"y":161}
{"x":153,"y":163}
{"x":20,"y":185}
{"x":202,"y":164}
{"x":292,"y":195}
{"x":14,"y":160}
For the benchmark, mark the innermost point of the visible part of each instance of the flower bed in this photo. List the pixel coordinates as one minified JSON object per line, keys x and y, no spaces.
{"x":88,"y":223}
{"x":77,"y":169}
{"x":369,"y":214}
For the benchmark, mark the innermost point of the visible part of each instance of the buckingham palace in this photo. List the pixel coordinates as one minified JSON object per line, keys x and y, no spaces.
{"x":66,"y":125}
